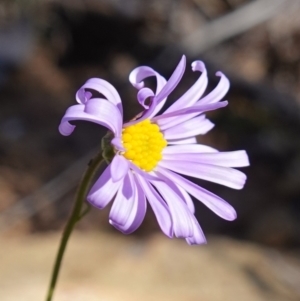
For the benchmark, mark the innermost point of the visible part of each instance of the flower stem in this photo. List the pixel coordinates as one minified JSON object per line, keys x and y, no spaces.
{"x":75,"y":216}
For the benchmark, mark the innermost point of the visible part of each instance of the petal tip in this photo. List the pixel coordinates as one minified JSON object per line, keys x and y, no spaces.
{"x":90,"y":199}
{"x":66,"y":128}
{"x":198,"y":66}
{"x":229,"y":213}
{"x":225,"y":103}
{"x":246,"y":158}
{"x":220,"y":74}
{"x":93,"y":201}
{"x":183,"y":59}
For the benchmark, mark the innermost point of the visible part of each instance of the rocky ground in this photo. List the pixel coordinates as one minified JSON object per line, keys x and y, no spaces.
{"x":114,"y":267}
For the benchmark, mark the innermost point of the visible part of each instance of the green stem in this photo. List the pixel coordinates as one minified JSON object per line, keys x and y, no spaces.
{"x":84,"y":212}
{"x":73,"y":219}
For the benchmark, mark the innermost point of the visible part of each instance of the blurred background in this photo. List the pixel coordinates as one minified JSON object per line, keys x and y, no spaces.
{"x":48,"y":49}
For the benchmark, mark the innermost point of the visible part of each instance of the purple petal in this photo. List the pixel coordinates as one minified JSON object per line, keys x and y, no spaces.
{"x":188,"y":149}
{"x":212,"y":201}
{"x":103,"y":87}
{"x":66,"y":128}
{"x":88,"y":95}
{"x":216,"y":95}
{"x":193,"y":127}
{"x":145,"y":175}
{"x":168,"y":122}
{"x":137,"y":76}
{"x":137,"y":213}
{"x":142,"y":96}
{"x":226,"y":159}
{"x":119,"y":168}
{"x":82,"y":96}
{"x":103,"y":190}
{"x":123,"y":203}
{"x":198,"y":237}
{"x":188,"y":200}
{"x":99,"y":111}
{"x":158,"y":205}
{"x":181,"y":216}
{"x":222,"y":175}
{"x":172,"y":82}
{"x":101,"y":108}
{"x":219,"y":92}
{"x":146,"y":114}
{"x":192,"y":95}
{"x":190,"y":140}
{"x":117,"y":143}
{"x":161,"y":95}
{"x":197,"y":108}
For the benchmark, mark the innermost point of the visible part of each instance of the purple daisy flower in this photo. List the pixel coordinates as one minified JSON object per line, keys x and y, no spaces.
{"x":147,"y":155}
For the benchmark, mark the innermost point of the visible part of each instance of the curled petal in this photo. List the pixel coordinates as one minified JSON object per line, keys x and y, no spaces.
{"x":101,"y":108}
{"x":99,"y":111}
{"x":103,"y":190}
{"x":80,"y":96}
{"x":212,"y":201}
{"x":65,"y":128}
{"x":219,"y":92}
{"x":88,"y":95}
{"x":147,"y":114}
{"x":142,"y":96}
{"x":118,"y":168}
{"x":217,"y":174}
{"x":161,"y":96}
{"x":173,"y":81}
{"x":158,"y":205}
{"x":195,"y":92}
{"x":136,"y":78}
{"x":214,"y":96}
{"x":103,"y":87}
{"x":83,"y":96}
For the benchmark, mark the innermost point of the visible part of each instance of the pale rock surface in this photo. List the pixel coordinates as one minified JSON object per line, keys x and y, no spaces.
{"x":106,"y":267}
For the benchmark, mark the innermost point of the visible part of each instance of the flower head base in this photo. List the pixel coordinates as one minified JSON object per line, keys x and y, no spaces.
{"x":143,"y":143}
{"x":147,"y":155}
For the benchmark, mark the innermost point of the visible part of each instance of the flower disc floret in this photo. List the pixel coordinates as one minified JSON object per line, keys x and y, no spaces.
{"x":143,"y":143}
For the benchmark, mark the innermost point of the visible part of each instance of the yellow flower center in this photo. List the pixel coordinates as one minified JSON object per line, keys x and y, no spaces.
{"x":143,"y":143}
